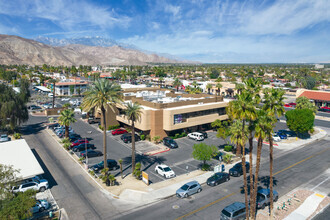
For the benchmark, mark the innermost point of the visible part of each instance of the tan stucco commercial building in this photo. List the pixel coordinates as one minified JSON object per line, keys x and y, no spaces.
{"x":166,"y":113}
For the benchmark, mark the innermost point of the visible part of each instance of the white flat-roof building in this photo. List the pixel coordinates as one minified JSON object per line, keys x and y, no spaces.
{"x":19,"y":155}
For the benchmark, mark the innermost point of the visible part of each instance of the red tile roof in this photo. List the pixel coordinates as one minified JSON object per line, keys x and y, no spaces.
{"x":316,"y":95}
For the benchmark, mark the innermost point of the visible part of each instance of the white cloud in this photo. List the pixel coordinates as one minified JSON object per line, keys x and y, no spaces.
{"x":175,"y":10}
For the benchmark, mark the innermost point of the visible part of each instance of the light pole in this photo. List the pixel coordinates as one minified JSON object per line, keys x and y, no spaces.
{"x":86,"y":153}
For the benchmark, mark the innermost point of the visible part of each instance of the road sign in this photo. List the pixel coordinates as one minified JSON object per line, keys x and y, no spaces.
{"x":145,"y":177}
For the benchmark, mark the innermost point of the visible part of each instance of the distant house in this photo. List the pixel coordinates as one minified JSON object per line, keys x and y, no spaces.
{"x":70,"y":87}
{"x":320,"y":98}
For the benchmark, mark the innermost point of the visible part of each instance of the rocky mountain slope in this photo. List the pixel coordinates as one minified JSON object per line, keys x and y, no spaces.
{"x":18,"y":50}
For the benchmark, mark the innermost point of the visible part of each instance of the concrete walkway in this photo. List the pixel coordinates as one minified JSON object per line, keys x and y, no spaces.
{"x":307,"y":208}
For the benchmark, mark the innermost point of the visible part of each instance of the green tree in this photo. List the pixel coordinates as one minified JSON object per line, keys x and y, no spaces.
{"x":53,"y":82}
{"x":24,"y":85}
{"x":300,"y":120}
{"x":67,"y":118}
{"x":310,"y":82}
{"x":133,"y":112}
{"x":177,"y":83}
{"x":13,"y":206}
{"x":223,"y":130}
{"x":209,"y":86}
{"x":101,"y":95}
{"x":304,"y":103}
{"x":203,"y":152}
{"x":218,"y":86}
{"x":71,"y":89}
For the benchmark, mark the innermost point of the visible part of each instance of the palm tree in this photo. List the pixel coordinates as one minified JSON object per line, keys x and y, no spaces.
{"x":218,"y":86}
{"x":239,"y":136}
{"x":273,"y":104}
{"x":133,"y":113}
{"x":209,"y":87}
{"x":194,"y":84}
{"x":100,"y":95}
{"x":160,"y":81}
{"x":177,"y":83}
{"x":66,"y":118}
{"x":53,"y":81}
{"x":239,"y":87}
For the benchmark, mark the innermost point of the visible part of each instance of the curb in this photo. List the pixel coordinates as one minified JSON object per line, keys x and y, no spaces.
{"x":159,"y":152}
{"x":99,"y":185}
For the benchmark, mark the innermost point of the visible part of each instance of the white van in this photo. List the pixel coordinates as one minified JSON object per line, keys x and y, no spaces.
{"x":196,"y":136}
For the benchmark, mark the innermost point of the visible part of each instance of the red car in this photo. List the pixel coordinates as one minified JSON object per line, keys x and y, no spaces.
{"x":118,"y":131}
{"x":292,"y":103}
{"x":287,"y":105}
{"x":78,"y":142}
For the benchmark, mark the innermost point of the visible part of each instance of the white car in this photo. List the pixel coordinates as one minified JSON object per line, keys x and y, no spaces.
{"x":4,"y":138}
{"x":38,"y":185}
{"x":196,"y":136}
{"x":40,"y":206}
{"x":164,"y":171}
{"x":276,"y":138}
{"x":65,"y":99}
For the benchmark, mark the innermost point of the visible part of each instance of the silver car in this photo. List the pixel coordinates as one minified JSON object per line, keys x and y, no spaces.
{"x":4,"y":138}
{"x":234,"y":211}
{"x":189,"y":189}
{"x":40,"y":206}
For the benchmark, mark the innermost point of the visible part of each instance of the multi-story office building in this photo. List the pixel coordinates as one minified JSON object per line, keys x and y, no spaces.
{"x":165,"y":113}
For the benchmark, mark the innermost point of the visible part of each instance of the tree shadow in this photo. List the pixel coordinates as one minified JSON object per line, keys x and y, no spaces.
{"x":265,"y":180}
{"x":32,"y":128}
{"x":146,"y":161}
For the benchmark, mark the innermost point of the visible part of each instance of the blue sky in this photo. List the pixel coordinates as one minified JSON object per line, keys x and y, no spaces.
{"x":225,"y":31}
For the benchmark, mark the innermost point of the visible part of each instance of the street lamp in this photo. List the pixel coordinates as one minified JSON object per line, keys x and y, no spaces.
{"x":86,"y":153}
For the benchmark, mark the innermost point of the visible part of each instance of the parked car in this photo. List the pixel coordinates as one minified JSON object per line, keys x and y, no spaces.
{"x":118,"y":131}
{"x":164,"y":171}
{"x":112,"y":165}
{"x":237,"y":169}
{"x":188,"y":189}
{"x":287,"y":105}
{"x":65,"y":99}
{"x":196,"y":136}
{"x":4,"y":138}
{"x":218,"y":178}
{"x":40,"y":206}
{"x":92,"y":120}
{"x":203,"y":133}
{"x":169,"y":142}
{"x":78,"y":142}
{"x":282,"y":135}
{"x":263,"y":197}
{"x":234,"y":211}
{"x":74,"y":136}
{"x":127,"y":138}
{"x":82,"y":147}
{"x":276,"y":138}
{"x":293,"y":104}
{"x":50,"y":94}
{"x":38,"y":185}
{"x":90,"y":153}
{"x":288,"y":133}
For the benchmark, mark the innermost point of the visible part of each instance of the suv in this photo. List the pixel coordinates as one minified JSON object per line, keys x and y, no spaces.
{"x":233,"y":211}
{"x":92,"y":120}
{"x":237,"y":169}
{"x":169,"y":142}
{"x":263,"y":198}
{"x":196,"y":136}
{"x":127,"y":138}
{"x":38,"y":185}
{"x":112,"y":165}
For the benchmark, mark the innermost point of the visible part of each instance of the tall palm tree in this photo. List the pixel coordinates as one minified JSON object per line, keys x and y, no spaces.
{"x":273,"y":104}
{"x":218,"y":86}
{"x":239,"y":137}
{"x":66,"y":118}
{"x":177,"y":83}
{"x":133,"y":112}
{"x":209,"y":87}
{"x":53,"y":82}
{"x":100,"y":95}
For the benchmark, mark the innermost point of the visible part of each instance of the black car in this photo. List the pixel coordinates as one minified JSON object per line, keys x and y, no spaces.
{"x":203,"y":133}
{"x":82,"y":147}
{"x":169,"y":142}
{"x":92,"y":120}
{"x":127,"y":138}
{"x":73,"y":137}
{"x":112,"y":165}
{"x":237,"y":169}
{"x":218,"y":178}
{"x":90,"y":153}
{"x":288,"y":133}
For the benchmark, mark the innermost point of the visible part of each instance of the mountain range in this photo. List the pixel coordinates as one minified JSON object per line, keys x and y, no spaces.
{"x":77,"y":51}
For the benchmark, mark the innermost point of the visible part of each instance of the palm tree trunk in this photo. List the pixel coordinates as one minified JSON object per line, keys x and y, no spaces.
{"x":245,"y":183}
{"x":133,"y":147}
{"x":271,"y":173}
{"x":66,"y":131}
{"x":254,"y":195}
{"x":177,"y":89}
{"x":252,"y":188}
{"x":104,"y":138}
{"x":53,"y":95}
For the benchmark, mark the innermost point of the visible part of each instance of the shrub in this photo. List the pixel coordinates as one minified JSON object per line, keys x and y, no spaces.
{"x":143,"y":137}
{"x":17,"y":136}
{"x":148,"y":137}
{"x":100,"y":127}
{"x":176,"y":136}
{"x":113,"y":127}
{"x":227,"y":158}
{"x":206,"y":167}
{"x":81,"y":159}
{"x":128,"y":130}
{"x":66,"y":146}
{"x":228,"y":148}
{"x":65,"y":140}
{"x":183,"y":134}
{"x":137,"y":171}
{"x":156,"y":139}
{"x":92,"y":172}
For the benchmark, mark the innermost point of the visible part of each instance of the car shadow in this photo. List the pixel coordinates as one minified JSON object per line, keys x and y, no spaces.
{"x":47,"y":175}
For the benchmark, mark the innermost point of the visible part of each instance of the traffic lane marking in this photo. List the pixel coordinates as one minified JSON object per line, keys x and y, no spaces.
{"x":229,"y":195}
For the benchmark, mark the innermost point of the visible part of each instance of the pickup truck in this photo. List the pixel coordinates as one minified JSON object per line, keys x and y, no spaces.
{"x":92,"y":120}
